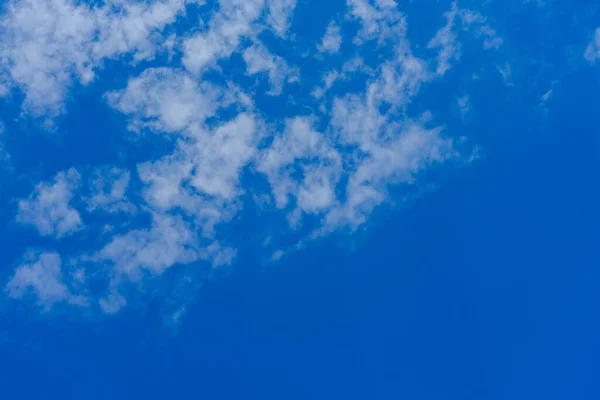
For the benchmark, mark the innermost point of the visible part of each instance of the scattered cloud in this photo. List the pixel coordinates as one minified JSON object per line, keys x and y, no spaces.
{"x":41,"y":274}
{"x":332,"y":40}
{"x":228,"y":26}
{"x":505,"y":71}
{"x":108,"y":191}
{"x":259,"y":60}
{"x":48,"y":208}
{"x":478,"y":25}
{"x":345,"y":141}
{"x":381,"y":20}
{"x":165,"y":100}
{"x":48,"y":45}
{"x":301,"y":147}
{"x":447,"y":40}
{"x":279,"y":15}
{"x":349,"y":68}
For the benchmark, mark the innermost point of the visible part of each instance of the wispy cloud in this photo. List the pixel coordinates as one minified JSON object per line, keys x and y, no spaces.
{"x":592,"y":51}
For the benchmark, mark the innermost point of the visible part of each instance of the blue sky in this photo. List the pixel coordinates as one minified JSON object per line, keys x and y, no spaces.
{"x":294,"y":199}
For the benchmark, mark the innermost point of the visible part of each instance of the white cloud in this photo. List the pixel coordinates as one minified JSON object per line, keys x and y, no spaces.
{"x":45,"y":44}
{"x":592,"y":51}
{"x":227,"y":27}
{"x":376,"y":149}
{"x":332,"y":40}
{"x":477,"y":24}
{"x":112,"y":303}
{"x":41,"y":273}
{"x":381,"y":20}
{"x":397,"y":156}
{"x":165,"y":100}
{"x":48,"y":207}
{"x":546,"y":98}
{"x":134,"y":27}
{"x":48,"y":44}
{"x":464,"y":105}
{"x":329,"y":171}
{"x":108,"y":191}
{"x":259,"y":60}
{"x":219,"y":156}
{"x":505,"y":71}
{"x":169,"y":241}
{"x":350,"y":67}
{"x":279,"y":15}
{"x":445,"y":39}
{"x":300,"y":147}
{"x":388,"y":150}
{"x":202,"y":177}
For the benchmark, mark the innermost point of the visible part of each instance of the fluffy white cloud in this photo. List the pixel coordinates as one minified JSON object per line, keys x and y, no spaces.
{"x":396,"y":156}
{"x":167,"y":242}
{"x":108,"y":191}
{"x":259,"y":60}
{"x":300,"y":147}
{"x":47,"y":44}
{"x":279,"y":16}
{"x":381,"y":20}
{"x":48,"y":207}
{"x":134,"y":27}
{"x":389,"y":153}
{"x":332,"y":40}
{"x":165,"y":100}
{"x":41,"y":274}
{"x":233,"y":21}
{"x":189,"y":191}
{"x":592,"y":51}
{"x":202,"y":176}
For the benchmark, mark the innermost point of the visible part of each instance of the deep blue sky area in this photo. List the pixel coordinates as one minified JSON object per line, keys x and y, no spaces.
{"x":361,"y":199}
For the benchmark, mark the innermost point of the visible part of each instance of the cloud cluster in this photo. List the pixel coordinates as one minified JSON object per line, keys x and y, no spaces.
{"x":323,"y":169}
{"x":46,"y":45}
